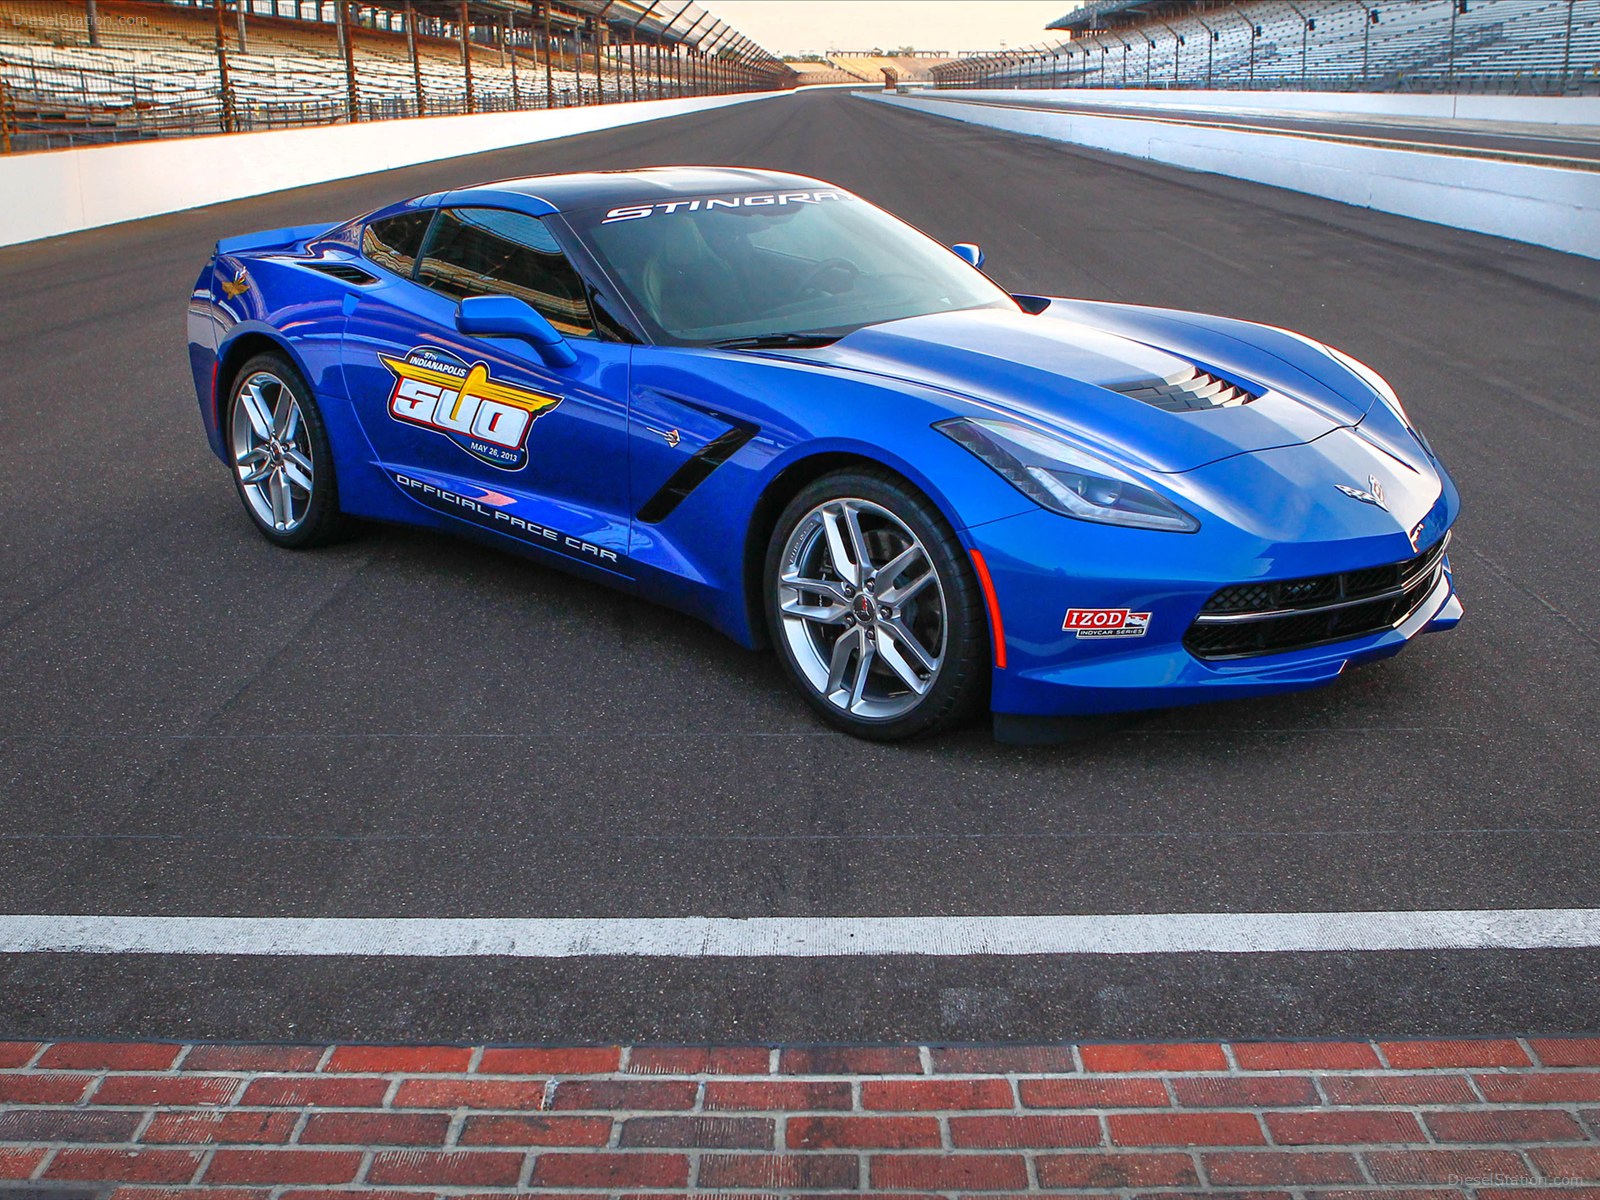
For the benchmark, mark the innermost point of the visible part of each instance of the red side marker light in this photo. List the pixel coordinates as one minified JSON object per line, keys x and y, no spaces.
{"x":997,"y":629}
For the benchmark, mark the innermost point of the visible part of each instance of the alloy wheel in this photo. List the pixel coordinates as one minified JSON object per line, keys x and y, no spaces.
{"x":862,"y":608}
{"x":272,"y":452}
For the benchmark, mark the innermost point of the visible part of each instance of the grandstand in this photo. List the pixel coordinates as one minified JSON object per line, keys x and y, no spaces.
{"x":1512,"y":46}
{"x":810,"y":73}
{"x":75,"y":72}
{"x":874,"y":66}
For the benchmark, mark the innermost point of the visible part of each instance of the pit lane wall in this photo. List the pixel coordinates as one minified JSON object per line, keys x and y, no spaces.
{"x":1545,"y":206}
{"x":1552,"y":110}
{"x":53,"y":192}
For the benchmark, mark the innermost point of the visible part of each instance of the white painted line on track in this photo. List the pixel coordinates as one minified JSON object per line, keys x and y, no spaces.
{"x":807,"y":937}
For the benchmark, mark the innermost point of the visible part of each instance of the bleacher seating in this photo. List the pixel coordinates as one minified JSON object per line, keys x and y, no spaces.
{"x":811,"y":73}
{"x":907,"y":68}
{"x":1512,"y":45}
{"x":154,"y":71}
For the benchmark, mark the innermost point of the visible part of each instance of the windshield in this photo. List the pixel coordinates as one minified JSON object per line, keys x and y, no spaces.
{"x":747,"y":265}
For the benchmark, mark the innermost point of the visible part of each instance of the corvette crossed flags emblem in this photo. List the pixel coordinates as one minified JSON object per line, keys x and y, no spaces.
{"x":1373,"y":494}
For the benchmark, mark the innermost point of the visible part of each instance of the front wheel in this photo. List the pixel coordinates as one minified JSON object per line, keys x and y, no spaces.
{"x":874,"y":608}
{"x":282,"y":462}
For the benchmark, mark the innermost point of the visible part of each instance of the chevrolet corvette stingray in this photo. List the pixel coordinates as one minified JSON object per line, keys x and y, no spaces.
{"x":763,"y":401}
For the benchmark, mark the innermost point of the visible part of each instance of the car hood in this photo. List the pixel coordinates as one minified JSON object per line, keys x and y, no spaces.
{"x":1107,"y":376}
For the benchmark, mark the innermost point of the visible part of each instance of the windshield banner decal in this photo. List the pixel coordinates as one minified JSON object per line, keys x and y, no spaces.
{"x":635,"y":212}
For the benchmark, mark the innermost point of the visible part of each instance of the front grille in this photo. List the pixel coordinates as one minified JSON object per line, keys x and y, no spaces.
{"x":1291,"y":614}
{"x":1189,"y":390}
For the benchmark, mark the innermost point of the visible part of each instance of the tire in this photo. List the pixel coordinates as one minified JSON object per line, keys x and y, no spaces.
{"x":921,"y":634}
{"x":282,"y":462}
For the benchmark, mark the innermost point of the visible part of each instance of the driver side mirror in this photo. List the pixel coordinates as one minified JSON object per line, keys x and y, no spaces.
{"x":969,"y":252}
{"x":506,"y":316}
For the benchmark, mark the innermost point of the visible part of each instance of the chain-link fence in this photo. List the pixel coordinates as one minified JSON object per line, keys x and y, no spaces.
{"x":77,"y":72}
{"x":1529,"y":47}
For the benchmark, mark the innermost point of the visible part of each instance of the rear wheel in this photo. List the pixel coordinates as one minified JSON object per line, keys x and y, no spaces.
{"x":874,"y":608}
{"x":282,"y":462}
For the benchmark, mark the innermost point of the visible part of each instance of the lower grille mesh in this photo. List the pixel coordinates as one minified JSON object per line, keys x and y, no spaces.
{"x":1268,"y":618}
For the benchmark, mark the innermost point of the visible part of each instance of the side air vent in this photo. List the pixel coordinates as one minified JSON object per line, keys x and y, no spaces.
{"x":345,"y":271}
{"x":695,"y":470}
{"x":1189,"y":390}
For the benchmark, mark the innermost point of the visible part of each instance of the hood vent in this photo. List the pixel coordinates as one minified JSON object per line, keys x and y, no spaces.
{"x":1188,"y":390}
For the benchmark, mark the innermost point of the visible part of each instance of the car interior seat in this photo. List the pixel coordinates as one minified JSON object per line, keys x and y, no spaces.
{"x":686,"y":282}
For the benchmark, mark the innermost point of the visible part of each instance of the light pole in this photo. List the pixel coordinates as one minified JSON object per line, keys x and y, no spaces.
{"x":661,"y":40}
{"x":1211,"y":49}
{"x":411,"y":52}
{"x":1566,"y":55}
{"x":719,"y":44}
{"x":1307,"y":24}
{"x":1366,"y":37}
{"x":1255,"y":32}
{"x":1450,"y":55}
{"x":549,"y":53}
{"x":225,"y":84}
{"x":508,"y":36}
{"x":683,"y":44}
{"x":599,"y":42}
{"x":466,"y":55}
{"x":1178,"y":43}
{"x":633,"y":46}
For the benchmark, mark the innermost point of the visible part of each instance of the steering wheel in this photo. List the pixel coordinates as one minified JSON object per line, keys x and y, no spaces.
{"x":813,"y":276}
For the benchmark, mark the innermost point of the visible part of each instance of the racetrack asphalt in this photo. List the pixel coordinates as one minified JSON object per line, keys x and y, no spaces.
{"x":192,"y":722}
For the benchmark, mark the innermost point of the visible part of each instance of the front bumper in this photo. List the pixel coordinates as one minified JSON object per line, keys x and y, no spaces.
{"x":1053,"y":672}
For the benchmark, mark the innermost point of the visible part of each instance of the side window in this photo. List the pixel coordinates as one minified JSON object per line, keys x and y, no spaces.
{"x":494,"y":252}
{"x":394,"y":242}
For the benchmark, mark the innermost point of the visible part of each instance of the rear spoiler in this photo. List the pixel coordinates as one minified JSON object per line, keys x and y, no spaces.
{"x":273,"y":239}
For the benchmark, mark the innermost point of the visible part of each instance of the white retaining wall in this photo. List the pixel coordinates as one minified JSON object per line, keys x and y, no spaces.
{"x":61,"y":191}
{"x":1546,"y":206}
{"x":1553,"y":110}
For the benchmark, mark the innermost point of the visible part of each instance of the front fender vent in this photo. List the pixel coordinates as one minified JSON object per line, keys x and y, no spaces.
{"x":348,"y":272}
{"x":696,"y":469}
{"x":1189,"y":390}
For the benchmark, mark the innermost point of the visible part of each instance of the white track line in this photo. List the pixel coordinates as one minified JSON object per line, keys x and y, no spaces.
{"x":807,"y":937}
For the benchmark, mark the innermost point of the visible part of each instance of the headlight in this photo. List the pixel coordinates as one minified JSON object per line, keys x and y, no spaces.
{"x":1064,"y":479}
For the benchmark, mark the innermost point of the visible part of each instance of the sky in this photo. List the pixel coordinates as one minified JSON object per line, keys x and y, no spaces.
{"x":817,"y":26}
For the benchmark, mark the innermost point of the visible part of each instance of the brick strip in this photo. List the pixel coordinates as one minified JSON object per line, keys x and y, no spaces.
{"x":1446,"y":1119}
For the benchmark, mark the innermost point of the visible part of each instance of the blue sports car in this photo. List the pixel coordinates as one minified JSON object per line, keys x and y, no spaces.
{"x":759,"y":399}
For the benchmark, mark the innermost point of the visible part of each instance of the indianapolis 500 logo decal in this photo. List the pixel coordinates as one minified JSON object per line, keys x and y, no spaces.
{"x":490,"y":421}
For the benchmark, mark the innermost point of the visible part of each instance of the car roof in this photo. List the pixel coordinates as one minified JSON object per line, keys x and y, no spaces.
{"x":594,"y":189}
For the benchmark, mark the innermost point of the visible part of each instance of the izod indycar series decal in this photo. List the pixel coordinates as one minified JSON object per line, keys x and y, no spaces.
{"x":1106,"y":623}
{"x":490,"y":421}
{"x":490,"y":510}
